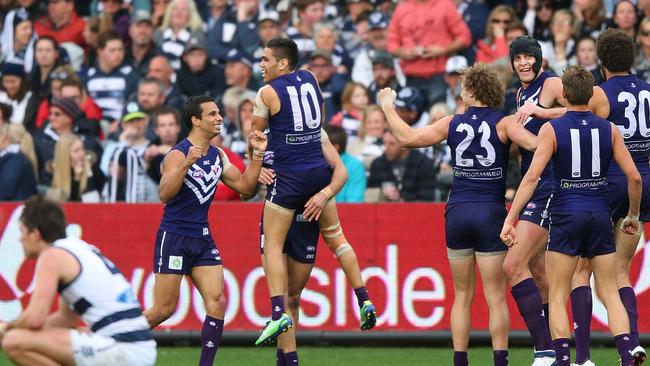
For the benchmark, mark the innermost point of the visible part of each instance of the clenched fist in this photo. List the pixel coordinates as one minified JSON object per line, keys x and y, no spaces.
{"x":386,"y":97}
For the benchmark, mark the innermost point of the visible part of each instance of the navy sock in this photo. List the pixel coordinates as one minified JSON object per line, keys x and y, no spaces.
{"x":500,"y":358}
{"x":624,"y":346}
{"x":529,"y":302}
{"x":277,"y":307}
{"x":547,"y":318}
{"x":628,"y":298}
{"x":460,"y":358}
{"x":562,"y":352}
{"x":362,"y":295}
{"x":279,"y":358}
{"x":291,"y":358}
{"x":581,"y":308}
{"x":210,"y":339}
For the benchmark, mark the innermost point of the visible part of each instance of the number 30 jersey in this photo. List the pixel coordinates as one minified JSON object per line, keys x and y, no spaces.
{"x":629,"y":103}
{"x":580,"y":162}
{"x":478,"y":157}
{"x":295,"y":131}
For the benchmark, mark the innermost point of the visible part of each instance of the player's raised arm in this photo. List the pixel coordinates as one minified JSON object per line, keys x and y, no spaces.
{"x":544,"y":152}
{"x":245,"y":183}
{"x":405,"y":134}
{"x":518,"y":134}
{"x":624,"y":160}
{"x":174,"y":168}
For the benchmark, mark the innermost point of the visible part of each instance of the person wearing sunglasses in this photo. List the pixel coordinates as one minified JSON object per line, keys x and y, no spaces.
{"x":493,"y":47}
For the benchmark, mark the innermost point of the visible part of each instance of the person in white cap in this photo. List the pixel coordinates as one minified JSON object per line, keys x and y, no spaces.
{"x":454,"y":67}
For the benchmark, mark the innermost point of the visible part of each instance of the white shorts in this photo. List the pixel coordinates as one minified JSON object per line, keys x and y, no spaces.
{"x":91,"y":349}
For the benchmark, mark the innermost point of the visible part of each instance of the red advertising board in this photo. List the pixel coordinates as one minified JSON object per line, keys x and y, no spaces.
{"x":400,"y":247}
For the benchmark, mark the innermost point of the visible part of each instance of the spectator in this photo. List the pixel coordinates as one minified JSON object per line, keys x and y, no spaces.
{"x":354,"y":189}
{"x":117,"y":16}
{"x":239,"y":70}
{"x":310,"y":12}
{"x":57,"y":77}
{"x":124,"y":163}
{"x":326,"y":37}
{"x":88,"y":121}
{"x":354,"y":101}
{"x":141,"y":48}
{"x":197,"y":75}
{"x":150,"y":95}
{"x":354,"y":31}
{"x":158,"y":11}
{"x":267,"y":29}
{"x":244,"y":123}
{"x":424,"y":52}
{"x":362,"y":71}
{"x":562,"y":45}
{"x":180,"y":23}
{"x":441,"y":155}
{"x":63,"y":114}
{"x":19,"y":136}
{"x":401,"y":174}
{"x":46,"y":57}
{"x":110,"y":82}
{"x":475,"y":15}
{"x":590,"y":17}
{"x":33,"y":8}
{"x":642,"y":61}
{"x":92,"y":29}
{"x":222,"y":26}
{"x":167,"y":126}
{"x":586,"y":56}
{"x":331,"y":83}
{"x":247,"y":15}
{"x":514,"y":30}
{"x":493,"y":47}
{"x":229,"y":126}
{"x":20,"y":48}
{"x":74,"y":179}
{"x":161,"y":70}
{"x":14,"y":91}
{"x":538,"y":19}
{"x":17,"y":181}
{"x":453,"y":70}
{"x":370,"y":144}
{"x":625,"y":17}
{"x":384,"y":73}
{"x":410,"y":106}
{"x":5,"y":113}
{"x":61,"y":23}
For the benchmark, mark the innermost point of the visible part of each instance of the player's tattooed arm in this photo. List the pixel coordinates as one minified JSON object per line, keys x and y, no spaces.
{"x":405,"y":134}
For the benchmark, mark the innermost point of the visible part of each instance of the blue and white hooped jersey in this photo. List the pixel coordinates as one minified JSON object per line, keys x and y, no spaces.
{"x":580,"y":162}
{"x":479,"y":158}
{"x":531,"y":94}
{"x":102,"y":296}
{"x":295,"y":131}
{"x":629,"y":109}
{"x":187,"y":213}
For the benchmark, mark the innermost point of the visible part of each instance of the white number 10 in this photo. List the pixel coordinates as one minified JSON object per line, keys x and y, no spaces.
{"x":308,"y":100}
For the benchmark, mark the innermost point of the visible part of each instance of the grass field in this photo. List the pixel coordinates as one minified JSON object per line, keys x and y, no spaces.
{"x":352,"y":356}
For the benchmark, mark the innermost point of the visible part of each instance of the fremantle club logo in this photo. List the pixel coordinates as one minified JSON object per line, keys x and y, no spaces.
{"x":12,"y":259}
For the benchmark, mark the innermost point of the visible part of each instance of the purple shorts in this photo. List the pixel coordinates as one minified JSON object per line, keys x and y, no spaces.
{"x":292,"y":189}
{"x":475,"y":225}
{"x":587,"y":234}
{"x":619,"y":201}
{"x":536,"y":211}
{"x":301,"y":242}
{"x":178,"y":254}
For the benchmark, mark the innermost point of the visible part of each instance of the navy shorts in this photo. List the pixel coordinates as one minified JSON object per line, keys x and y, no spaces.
{"x":619,"y":201}
{"x":475,"y":225}
{"x":536,"y":211}
{"x":178,"y":254}
{"x":292,"y":189}
{"x":587,"y":234}
{"x":301,"y":242}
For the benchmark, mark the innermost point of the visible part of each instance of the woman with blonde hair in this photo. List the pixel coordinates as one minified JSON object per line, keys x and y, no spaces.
{"x":180,"y":23}
{"x":73,"y":178}
{"x":18,"y":135}
{"x":17,"y":179}
{"x":494,"y":46}
{"x":370,"y":144}
{"x":354,"y":102}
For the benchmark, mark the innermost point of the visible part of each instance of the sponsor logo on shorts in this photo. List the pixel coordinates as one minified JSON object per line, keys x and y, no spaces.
{"x":311,"y":248}
{"x":301,"y":218}
{"x":531,"y":205}
{"x":206,"y":231}
{"x":175,"y":262}
{"x":478,"y":174}
{"x":583,"y":183}
{"x":545,"y":214}
{"x":528,"y":213}
{"x":310,"y":256}
{"x":303,"y":138}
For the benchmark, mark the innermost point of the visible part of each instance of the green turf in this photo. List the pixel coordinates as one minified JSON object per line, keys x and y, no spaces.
{"x":355,"y":356}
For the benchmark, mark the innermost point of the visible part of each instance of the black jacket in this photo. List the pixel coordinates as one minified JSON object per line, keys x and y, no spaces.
{"x":418,"y":182}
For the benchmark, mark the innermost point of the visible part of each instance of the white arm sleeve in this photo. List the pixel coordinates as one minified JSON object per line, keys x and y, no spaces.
{"x":260,"y":109}
{"x":224,"y":158}
{"x":323,"y":136}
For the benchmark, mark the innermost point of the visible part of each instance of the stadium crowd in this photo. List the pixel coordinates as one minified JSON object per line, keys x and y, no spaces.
{"x":90,"y":92}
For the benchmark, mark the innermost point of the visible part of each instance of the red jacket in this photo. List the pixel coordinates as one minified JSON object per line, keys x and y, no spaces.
{"x":70,"y":32}
{"x":223,"y":192}
{"x":90,"y":109}
{"x":489,"y":53}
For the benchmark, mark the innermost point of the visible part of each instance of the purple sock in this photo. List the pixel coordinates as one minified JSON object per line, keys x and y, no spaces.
{"x":547,"y":319}
{"x":362,"y":295}
{"x":500,"y":358}
{"x":529,"y":302}
{"x":628,"y":298}
{"x":581,"y":308}
{"x":277,"y":307}
{"x":291,"y":358}
{"x":210,"y":339}
{"x":624,"y":346}
{"x":562,"y":352}
{"x":279,"y":358}
{"x":460,"y":358}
